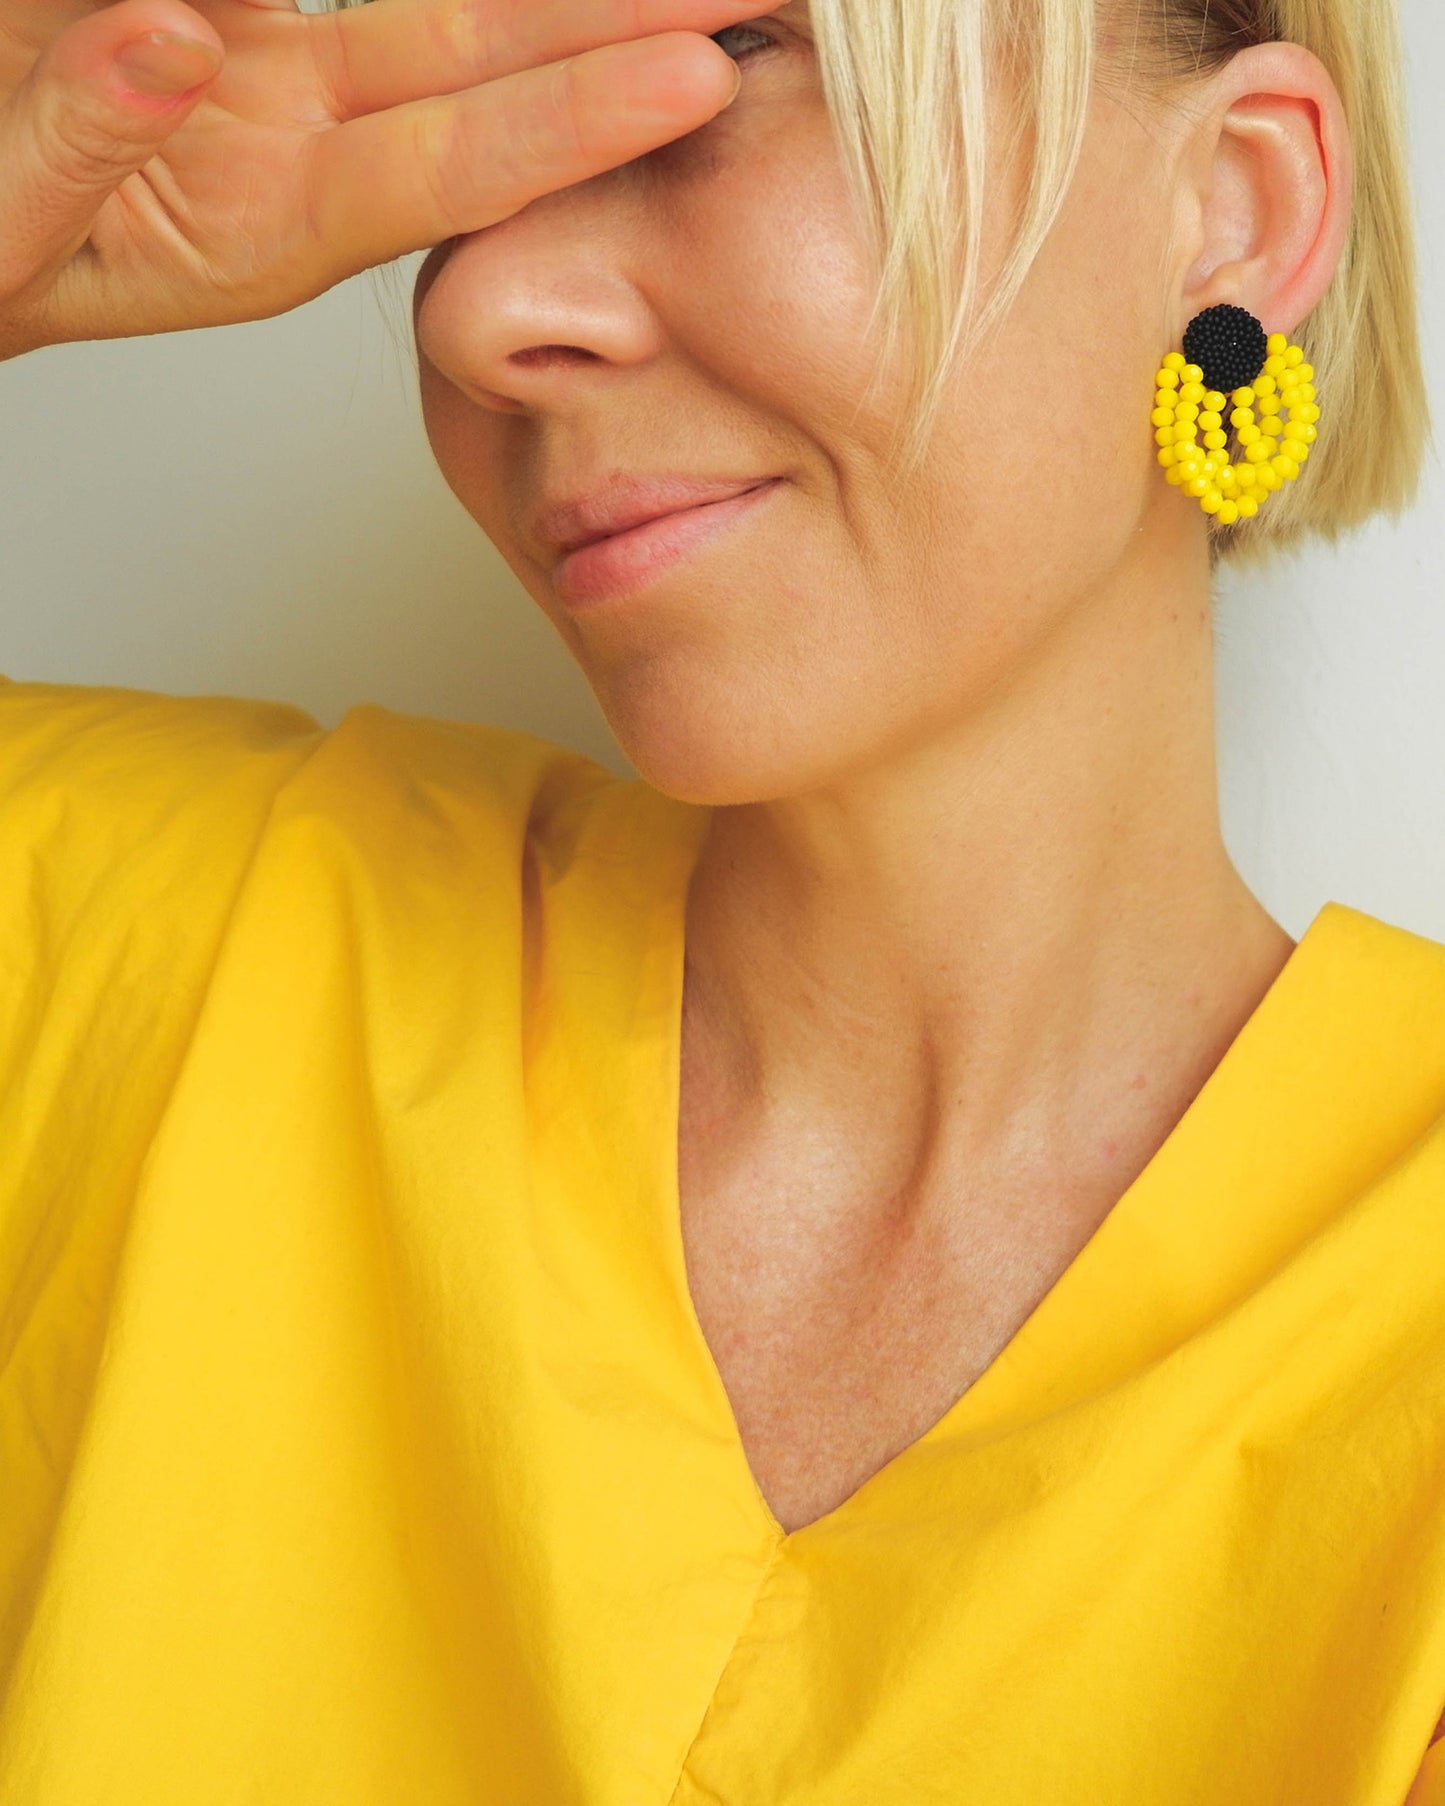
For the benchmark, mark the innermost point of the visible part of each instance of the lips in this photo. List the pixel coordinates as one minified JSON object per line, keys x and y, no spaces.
{"x":628,"y":502}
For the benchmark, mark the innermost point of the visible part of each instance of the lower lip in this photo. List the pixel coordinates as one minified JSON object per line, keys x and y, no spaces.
{"x":626,"y":562}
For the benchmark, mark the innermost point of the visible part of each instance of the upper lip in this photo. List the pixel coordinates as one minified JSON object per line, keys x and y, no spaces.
{"x":626,"y":501}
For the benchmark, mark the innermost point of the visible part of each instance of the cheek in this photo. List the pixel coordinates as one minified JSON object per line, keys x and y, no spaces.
{"x":772,"y":286}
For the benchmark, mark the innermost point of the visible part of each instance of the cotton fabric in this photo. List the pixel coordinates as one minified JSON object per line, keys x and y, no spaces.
{"x":359,"y":1442}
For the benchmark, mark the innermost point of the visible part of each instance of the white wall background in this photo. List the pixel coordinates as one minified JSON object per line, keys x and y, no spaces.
{"x":255,"y":512}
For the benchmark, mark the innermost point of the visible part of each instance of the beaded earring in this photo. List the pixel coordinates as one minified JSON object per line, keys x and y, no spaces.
{"x":1227,"y":358}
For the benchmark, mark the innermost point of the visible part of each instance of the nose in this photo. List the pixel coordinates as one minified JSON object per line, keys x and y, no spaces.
{"x":541,"y":312}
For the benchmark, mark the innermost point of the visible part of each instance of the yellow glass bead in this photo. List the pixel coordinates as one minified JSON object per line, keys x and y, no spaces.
{"x":1250,"y":435}
{"x":1265,"y":385}
{"x":1294,"y":448}
{"x":1259,"y":451}
{"x":1166,"y":457}
{"x":1215,"y":401}
{"x":1228,"y":513}
{"x":1272,"y":424}
{"x":1248,"y":507}
{"x":1174,"y":361}
{"x":1307,"y":393}
{"x":1210,"y":421}
{"x":1187,"y":410}
{"x":1162,"y":417}
{"x":1270,"y":477}
{"x":1287,"y":468}
{"x":1306,"y":373}
{"x":1294,"y":357}
{"x":1310,"y":413}
{"x":1276,"y":343}
{"x":1216,"y":441}
{"x":1308,"y":433}
{"x":1211,"y":501}
{"x":1174,"y":476}
{"x":1192,"y":373}
{"x":1243,"y":398}
{"x":1166,"y":398}
{"x":1199,"y":485}
{"x":1192,"y":392}
{"x":1166,"y":378}
{"x":1275,"y":365}
{"x":1242,"y":417}
{"x":1185,"y":435}
{"x":1268,"y":405}
{"x":1165,"y":436}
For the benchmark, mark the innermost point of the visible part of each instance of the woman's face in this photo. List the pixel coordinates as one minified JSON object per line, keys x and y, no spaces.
{"x":700,"y":313}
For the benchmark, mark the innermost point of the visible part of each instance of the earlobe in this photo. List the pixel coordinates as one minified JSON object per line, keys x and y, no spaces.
{"x":1276,"y":211}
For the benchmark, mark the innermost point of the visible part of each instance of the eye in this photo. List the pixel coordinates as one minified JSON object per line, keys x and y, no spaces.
{"x":747,"y":31}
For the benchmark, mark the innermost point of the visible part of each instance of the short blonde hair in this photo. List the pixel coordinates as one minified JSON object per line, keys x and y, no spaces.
{"x":899,"y":78}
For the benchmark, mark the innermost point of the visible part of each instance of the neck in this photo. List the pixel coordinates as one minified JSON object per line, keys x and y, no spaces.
{"x":1019,"y":938}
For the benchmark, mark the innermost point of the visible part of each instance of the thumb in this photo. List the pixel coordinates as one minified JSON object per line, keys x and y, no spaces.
{"x":99,"y":102}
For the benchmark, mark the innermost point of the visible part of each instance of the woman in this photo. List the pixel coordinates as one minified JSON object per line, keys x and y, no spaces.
{"x":865,"y":1266}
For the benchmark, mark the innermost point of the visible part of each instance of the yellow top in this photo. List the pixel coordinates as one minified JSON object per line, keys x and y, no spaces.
{"x":359,"y":1442}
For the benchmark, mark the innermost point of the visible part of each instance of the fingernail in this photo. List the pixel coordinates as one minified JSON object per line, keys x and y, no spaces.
{"x":165,"y":63}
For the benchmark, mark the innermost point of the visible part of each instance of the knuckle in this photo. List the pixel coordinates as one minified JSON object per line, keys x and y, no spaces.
{"x":81,"y":151}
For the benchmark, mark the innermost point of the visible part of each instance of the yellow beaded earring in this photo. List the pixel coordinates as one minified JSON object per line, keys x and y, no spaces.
{"x":1227,"y":358}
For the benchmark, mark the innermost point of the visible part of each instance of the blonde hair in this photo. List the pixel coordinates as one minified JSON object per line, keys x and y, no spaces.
{"x":900,"y":77}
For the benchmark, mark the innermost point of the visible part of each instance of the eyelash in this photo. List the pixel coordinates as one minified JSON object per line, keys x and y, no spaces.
{"x":767,"y":43}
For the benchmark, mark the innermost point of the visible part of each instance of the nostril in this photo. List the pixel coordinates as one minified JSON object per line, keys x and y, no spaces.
{"x":543,"y":357}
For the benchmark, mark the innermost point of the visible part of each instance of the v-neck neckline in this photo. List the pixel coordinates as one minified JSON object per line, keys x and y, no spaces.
{"x":999,"y":1394}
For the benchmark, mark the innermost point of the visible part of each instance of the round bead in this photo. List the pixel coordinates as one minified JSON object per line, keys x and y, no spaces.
{"x":1268,"y":405}
{"x":1259,"y":451}
{"x":1174,"y":361}
{"x":1248,"y":435}
{"x":1242,"y":417}
{"x":1307,"y":392}
{"x":1265,"y":385}
{"x":1216,"y":400}
{"x":1164,"y":436}
{"x":1248,"y":507}
{"x":1308,"y":433}
{"x":1270,"y":477}
{"x":1192,"y":393}
{"x":1296,"y":449}
{"x":1216,"y":441}
{"x":1211,"y":501}
{"x":1294,"y":356}
{"x":1163,"y":416}
{"x":1191,"y":373}
{"x":1174,"y":476}
{"x":1166,"y":457}
{"x":1274,"y":365}
{"x":1244,"y":398}
{"x":1199,"y":485}
{"x":1287,"y":468}
{"x":1210,"y":422}
{"x":1228,"y":513}
{"x":1228,"y":345}
{"x":1167,"y":378}
{"x":1277,"y":343}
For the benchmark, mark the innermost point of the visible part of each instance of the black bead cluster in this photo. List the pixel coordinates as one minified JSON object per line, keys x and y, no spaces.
{"x":1229,"y":345}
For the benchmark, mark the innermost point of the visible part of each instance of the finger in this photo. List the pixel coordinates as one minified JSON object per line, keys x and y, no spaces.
{"x":407,"y":178}
{"x":392,"y":51}
{"x":81,"y":122}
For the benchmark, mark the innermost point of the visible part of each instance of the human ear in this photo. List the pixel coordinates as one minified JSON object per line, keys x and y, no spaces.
{"x":1266,"y":188}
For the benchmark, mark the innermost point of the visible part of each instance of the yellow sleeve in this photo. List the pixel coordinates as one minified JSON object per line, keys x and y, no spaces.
{"x":127,"y":819}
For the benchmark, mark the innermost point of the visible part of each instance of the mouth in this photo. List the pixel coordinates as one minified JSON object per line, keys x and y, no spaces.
{"x":612,"y":565}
